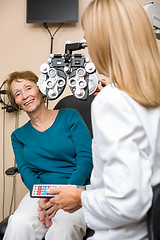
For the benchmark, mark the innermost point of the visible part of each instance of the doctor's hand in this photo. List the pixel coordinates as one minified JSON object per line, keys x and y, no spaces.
{"x":68,"y":198}
{"x":100,"y":86}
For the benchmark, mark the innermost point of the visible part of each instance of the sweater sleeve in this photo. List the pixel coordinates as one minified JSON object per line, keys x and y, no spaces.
{"x":82,"y":142}
{"x":28,"y":176}
{"x":121,"y":191}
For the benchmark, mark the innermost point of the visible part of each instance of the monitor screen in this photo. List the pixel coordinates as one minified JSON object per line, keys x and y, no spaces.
{"x":52,"y":11}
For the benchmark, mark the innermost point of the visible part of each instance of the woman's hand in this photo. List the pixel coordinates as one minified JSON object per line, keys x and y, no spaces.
{"x":47,"y":211}
{"x":44,"y":218}
{"x":68,"y":198}
{"x":100,"y":86}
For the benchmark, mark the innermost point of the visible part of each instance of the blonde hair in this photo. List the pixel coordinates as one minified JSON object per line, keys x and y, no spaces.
{"x":123,"y":46}
{"x":27,"y":75}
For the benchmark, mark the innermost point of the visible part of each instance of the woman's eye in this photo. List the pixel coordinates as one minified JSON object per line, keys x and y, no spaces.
{"x":17,"y":94}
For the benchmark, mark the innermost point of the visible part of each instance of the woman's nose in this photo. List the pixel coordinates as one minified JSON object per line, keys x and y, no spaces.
{"x":24,"y":94}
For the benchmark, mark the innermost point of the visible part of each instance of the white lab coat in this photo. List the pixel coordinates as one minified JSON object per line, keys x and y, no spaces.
{"x":126,"y":158}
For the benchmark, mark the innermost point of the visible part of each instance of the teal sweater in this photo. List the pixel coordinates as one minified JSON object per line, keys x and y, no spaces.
{"x":59,"y":155}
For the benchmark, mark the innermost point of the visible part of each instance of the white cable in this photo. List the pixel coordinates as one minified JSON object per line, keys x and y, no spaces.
{"x":13,"y":196}
{"x":3,"y":167}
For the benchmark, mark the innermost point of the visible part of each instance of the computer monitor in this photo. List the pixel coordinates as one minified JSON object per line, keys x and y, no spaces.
{"x":52,"y":11}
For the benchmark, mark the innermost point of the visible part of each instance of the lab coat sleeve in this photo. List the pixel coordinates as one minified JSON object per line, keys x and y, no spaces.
{"x":121,"y":192}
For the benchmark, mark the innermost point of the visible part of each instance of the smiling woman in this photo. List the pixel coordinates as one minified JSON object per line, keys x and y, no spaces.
{"x":18,"y":77}
{"x":54,"y":147}
{"x":26,"y":94}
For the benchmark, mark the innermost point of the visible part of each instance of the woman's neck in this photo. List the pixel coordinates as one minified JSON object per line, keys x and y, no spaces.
{"x":42,"y":119}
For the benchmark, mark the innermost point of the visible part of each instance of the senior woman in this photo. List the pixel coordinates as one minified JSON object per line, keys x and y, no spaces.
{"x":53,"y":147}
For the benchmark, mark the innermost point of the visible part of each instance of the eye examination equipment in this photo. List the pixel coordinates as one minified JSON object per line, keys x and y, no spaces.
{"x":153,"y":11}
{"x":6,"y":106}
{"x":75,"y":69}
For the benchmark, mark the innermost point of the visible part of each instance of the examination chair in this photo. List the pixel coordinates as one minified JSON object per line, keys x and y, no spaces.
{"x":84,"y":108}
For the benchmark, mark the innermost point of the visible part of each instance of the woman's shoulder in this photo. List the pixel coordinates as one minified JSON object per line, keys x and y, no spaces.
{"x":68,"y":111}
{"x":70,"y":116}
{"x":112,"y":94}
{"x":22,"y":129}
{"x":113,"y":99}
